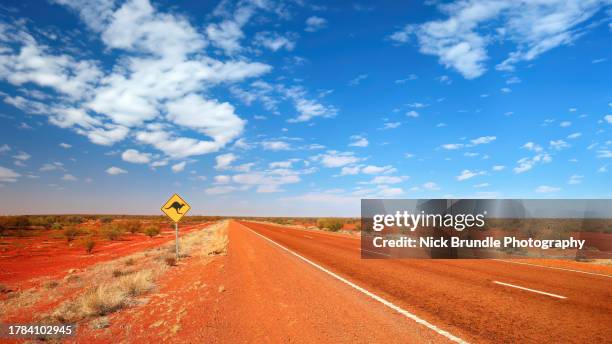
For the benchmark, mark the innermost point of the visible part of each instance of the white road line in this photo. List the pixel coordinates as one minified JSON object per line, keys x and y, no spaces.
{"x":371,"y":295}
{"x":532,"y":290}
{"x":553,"y":267}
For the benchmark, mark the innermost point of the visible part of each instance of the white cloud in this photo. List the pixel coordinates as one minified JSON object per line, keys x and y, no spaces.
{"x":275,"y":145}
{"x":373,"y":169}
{"x":483,"y":140}
{"x":387,"y":180}
{"x":274,"y":41}
{"x":136,"y":157}
{"x":178,"y":167}
{"x":575,"y":179}
{"x":558,"y":144}
{"x":65,"y":145}
{"x":498,"y":168}
{"x":334,"y":158}
{"x":460,"y":41}
{"x":307,"y":108}
{"x":158,"y":74}
{"x":224,"y":161}
{"x":69,"y":177}
{"x":359,"y":141}
{"x":391,"y":125}
{"x":209,"y":117}
{"x":482,"y":185}
{"x":358,"y":80}
{"x":565,"y":124}
{"x":574,"y":136}
{"x":113,"y":171}
{"x":532,"y":147}
{"x":608,"y":118}
{"x":547,"y":189}
{"x":452,"y":146}
{"x":222,"y":179}
{"x":604,"y":153}
{"x":350,"y":170}
{"x":527,"y":163}
{"x":467,"y":174}
{"x":412,"y":113}
{"x":22,"y":156}
{"x":4,"y":148}
{"x":8,"y":176}
{"x":315,"y":23}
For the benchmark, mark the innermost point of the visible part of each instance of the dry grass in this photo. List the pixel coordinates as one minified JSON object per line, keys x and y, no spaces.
{"x":106,"y":287}
{"x":105,"y":298}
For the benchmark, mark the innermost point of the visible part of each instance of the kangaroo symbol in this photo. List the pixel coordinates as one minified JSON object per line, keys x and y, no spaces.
{"x":177,"y":206}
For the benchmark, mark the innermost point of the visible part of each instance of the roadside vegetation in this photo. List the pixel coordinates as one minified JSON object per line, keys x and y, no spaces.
{"x":110,"y":286}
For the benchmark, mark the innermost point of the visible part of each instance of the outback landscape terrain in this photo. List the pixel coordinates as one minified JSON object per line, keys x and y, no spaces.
{"x":281,"y":280}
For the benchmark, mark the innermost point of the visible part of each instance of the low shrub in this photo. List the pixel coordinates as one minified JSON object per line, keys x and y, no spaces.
{"x":56,"y":226}
{"x":50,"y":284}
{"x":70,"y":233}
{"x":330,"y":224}
{"x":133,"y":226}
{"x":152,"y":231}
{"x":106,"y":219}
{"x":89,"y":244}
{"x":170,"y":261}
{"x":111,"y":232}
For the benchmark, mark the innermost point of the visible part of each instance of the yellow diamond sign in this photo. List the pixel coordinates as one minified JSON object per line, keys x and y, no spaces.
{"x":175,"y":208}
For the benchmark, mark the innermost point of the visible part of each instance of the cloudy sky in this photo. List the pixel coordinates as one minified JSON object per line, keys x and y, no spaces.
{"x":265,"y":107}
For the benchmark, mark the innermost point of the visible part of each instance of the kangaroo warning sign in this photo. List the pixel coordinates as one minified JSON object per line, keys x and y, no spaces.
{"x":175,"y":208}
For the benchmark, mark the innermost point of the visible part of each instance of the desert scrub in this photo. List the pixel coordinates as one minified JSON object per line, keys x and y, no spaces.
{"x":89,"y":244}
{"x":133,"y":226}
{"x":50,"y":284}
{"x":70,"y":233}
{"x":105,"y":298}
{"x":330,"y":224}
{"x":111,"y":232}
{"x":152,"y":231}
{"x":56,"y":226}
{"x":170,"y":261}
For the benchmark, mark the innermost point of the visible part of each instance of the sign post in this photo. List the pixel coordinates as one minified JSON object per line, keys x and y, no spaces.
{"x":175,"y":208}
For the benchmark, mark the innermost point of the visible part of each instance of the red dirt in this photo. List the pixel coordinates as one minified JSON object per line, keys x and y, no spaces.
{"x":25,"y":261}
{"x":259,"y":302}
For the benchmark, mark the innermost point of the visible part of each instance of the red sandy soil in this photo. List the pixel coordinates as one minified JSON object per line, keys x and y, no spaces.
{"x":24,"y":261}
{"x":255,"y":294}
{"x":260,"y":293}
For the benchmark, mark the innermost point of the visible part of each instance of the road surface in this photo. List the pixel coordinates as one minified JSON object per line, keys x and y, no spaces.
{"x":294,"y":285}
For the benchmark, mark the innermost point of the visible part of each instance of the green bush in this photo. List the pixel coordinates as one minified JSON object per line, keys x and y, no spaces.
{"x":106,"y":219}
{"x":152,"y":231}
{"x":330,"y":224}
{"x":56,"y":226}
{"x":133,"y":226}
{"x":111,"y":232}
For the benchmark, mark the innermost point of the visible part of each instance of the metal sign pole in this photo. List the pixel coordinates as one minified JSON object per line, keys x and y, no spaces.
{"x":177,"y":243}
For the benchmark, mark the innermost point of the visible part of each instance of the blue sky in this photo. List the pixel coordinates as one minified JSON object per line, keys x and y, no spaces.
{"x":297,"y":108}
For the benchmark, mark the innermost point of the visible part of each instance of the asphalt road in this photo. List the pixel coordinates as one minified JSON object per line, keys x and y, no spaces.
{"x":310,"y":286}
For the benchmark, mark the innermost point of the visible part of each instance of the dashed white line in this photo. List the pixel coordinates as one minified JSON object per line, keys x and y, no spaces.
{"x":389,"y":304}
{"x":553,"y":267}
{"x":529,"y":289}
